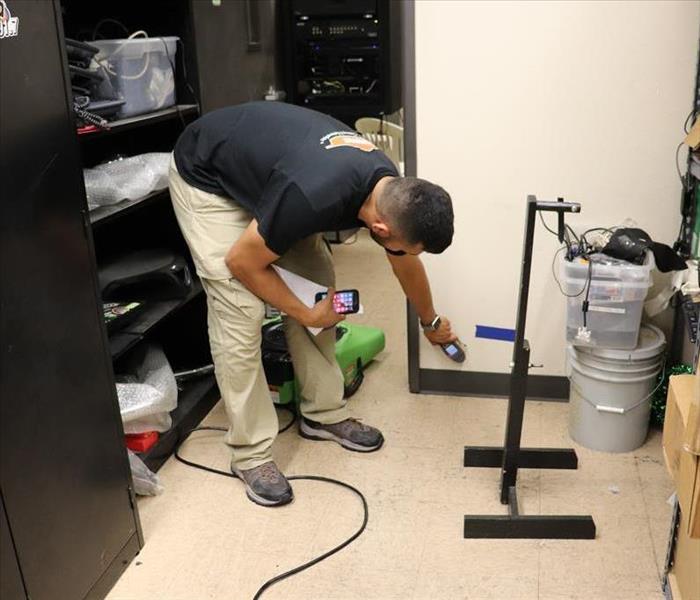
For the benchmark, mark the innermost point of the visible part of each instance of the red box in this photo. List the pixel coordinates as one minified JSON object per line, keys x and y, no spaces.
{"x":141,"y":442}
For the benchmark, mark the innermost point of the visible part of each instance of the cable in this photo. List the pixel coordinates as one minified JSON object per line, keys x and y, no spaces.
{"x":678,"y":168}
{"x":289,"y":408}
{"x":172,"y":66}
{"x":554,"y":274}
{"x":105,"y":63}
{"x":274,"y":580}
{"x":584,"y":306}
{"x":185,"y":77}
{"x":572,"y":232}
{"x":539,"y":212}
{"x":691,"y":115}
{"x":113,"y":21}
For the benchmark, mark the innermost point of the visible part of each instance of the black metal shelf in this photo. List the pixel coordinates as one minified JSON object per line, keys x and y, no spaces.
{"x":104,"y":214}
{"x":152,"y":315}
{"x":195,"y":400}
{"x":141,"y":120}
{"x":120,"y":342}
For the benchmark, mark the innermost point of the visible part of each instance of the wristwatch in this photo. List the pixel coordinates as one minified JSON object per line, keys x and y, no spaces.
{"x":434,"y":325}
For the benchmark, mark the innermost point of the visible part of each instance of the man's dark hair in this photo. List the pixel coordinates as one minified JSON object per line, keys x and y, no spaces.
{"x":420,"y":211}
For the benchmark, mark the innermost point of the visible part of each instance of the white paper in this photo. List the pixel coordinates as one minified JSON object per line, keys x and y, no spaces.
{"x":302,"y":288}
{"x":305,"y":290}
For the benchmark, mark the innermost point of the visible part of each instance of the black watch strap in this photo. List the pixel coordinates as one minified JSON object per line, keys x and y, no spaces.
{"x":434,"y":325}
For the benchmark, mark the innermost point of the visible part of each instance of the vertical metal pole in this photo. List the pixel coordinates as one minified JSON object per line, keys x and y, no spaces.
{"x":408,"y":92}
{"x":521,"y":362}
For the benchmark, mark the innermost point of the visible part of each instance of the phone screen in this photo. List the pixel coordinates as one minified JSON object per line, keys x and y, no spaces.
{"x":344,"y":301}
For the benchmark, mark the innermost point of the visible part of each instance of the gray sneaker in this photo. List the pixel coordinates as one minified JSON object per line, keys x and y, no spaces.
{"x":350,"y":434}
{"x":265,"y":485}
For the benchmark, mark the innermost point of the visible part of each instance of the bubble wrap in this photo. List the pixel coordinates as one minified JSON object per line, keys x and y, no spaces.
{"x":147,"y":397}
{"x":126,"y":178}
{"x":146,"y":482}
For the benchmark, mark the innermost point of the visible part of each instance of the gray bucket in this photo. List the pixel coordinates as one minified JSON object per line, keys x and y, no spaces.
{"x":611,"y":391}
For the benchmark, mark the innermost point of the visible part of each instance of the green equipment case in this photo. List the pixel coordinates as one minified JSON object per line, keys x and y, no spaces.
{"x":356,"y":346}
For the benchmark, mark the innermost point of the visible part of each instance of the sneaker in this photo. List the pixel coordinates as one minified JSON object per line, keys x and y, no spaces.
{"x":350,"y":434}
{"x":265,"y":485}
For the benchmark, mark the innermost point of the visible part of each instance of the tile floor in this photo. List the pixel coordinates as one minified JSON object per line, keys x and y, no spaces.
{"x":205,"y":540}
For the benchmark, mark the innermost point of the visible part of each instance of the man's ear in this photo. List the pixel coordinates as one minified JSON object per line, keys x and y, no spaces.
{"x":381,"y":229}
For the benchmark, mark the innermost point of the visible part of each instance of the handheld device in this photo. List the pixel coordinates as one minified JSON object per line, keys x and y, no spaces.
{"x":344,"y":301}
{"x":454,"y":351}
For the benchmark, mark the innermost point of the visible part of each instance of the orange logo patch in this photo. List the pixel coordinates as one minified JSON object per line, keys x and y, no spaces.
{"x":347,"y":139}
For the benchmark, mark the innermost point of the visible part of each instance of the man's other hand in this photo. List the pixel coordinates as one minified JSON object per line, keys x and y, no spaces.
{"x":443,"y":334}
{"x":322,"y":314}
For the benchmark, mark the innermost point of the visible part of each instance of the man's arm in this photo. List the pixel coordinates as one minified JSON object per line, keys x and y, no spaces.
{"x":249,"y":260}
{"x":411,"y":274}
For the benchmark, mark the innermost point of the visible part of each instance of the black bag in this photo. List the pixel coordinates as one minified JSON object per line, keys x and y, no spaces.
{"x":631,"y":244}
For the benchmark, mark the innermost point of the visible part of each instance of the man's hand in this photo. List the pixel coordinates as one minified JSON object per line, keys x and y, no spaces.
{"x":322,"y":314}
{"x":443,"y":334}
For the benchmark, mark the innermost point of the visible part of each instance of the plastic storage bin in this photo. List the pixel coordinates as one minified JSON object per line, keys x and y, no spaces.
{"x":141,"y":71}
{"x":616,"y":299}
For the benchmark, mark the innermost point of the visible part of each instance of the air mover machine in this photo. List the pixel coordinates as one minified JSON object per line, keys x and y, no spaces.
{"x":355,"y":347}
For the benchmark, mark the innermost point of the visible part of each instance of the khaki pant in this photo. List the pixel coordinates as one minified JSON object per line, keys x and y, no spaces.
{"x":210,"y":225}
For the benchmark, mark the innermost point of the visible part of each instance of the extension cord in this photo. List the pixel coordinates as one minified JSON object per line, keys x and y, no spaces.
{"x":270,"y":582}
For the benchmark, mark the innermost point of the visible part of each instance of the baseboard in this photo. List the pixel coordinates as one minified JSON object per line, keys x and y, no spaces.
{"x":474,"y":383}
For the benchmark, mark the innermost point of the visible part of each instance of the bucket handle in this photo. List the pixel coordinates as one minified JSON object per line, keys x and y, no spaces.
{"x":615,"y":409}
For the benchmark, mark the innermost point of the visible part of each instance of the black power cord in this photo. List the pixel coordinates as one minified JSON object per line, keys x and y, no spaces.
{"x":277,"y":578}
{"x":584,"y":250}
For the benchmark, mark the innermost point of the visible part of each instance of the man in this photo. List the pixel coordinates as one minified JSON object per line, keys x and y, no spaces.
{"x":255,"y":185}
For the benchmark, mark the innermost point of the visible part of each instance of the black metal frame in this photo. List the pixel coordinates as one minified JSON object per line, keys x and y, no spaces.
{"x":510,"y":457}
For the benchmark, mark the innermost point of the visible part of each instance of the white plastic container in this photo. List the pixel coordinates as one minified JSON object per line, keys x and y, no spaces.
{"x":141,"y":71}
{"x":616,"y":299}
{"x":610,"y":395}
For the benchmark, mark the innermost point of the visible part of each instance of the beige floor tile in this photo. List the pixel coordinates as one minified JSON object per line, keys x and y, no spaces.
{"x":205,"y":540}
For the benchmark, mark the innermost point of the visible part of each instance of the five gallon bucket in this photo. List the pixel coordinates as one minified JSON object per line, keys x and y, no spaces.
{"x":611,"y":391}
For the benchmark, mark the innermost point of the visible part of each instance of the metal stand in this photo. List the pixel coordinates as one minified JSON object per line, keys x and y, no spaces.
{"x":511,"y":456}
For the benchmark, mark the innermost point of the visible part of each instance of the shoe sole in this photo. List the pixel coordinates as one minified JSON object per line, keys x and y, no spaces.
{"x":253,"y":497}
{"x":323,"y":435}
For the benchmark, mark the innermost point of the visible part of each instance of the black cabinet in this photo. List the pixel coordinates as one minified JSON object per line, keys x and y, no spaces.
{"x":69,"y":524}
{"x":64,"y":473}
{"x":237,"y":56}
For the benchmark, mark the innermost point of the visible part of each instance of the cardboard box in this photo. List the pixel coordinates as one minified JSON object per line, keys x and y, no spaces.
{"x":684,"y":576}
{"x":693,"y":138}
{"x":682,"y":461}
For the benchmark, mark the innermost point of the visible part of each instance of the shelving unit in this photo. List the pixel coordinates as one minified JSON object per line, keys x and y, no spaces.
{"x":179,"y":110}
{"x":153,"y":314}
{"x":104,"y":214}
{"x":150,"y":222}
{"x":177,"y":325}
{"x":195,"y":400}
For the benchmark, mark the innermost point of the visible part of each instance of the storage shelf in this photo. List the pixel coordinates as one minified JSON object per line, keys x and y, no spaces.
{"x":195,"y":399}
{"x":153,"y":313}
{"x":104,"y":214}
{"x":140,"y":121}
{"x":120,"y":342}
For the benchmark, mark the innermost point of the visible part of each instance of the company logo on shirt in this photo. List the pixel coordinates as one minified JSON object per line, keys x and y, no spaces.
{"x":346,"y":139}
{"x":9,"y":25}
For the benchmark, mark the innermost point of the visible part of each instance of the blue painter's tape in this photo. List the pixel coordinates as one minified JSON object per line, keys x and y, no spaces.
{"x":495,"y":333}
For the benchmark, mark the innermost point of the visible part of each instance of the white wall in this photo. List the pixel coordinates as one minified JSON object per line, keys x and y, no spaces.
{"x":584,"y":100}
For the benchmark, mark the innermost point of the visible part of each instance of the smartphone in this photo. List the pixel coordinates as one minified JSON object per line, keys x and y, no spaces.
{"x":344,"y":301}
{"x":454,"y":351}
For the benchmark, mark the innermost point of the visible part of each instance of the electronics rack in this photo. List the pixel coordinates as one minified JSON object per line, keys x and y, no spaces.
{"x":691,"y":183}
{"x":342,"y":56}
{"x":686,"y":346}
